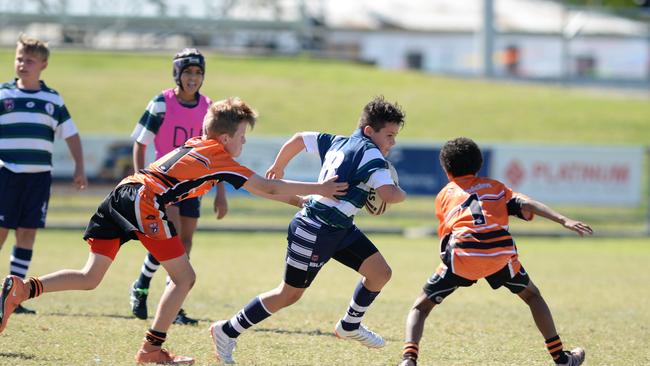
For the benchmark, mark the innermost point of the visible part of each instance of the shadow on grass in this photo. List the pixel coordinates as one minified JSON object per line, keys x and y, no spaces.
{"x":20,"y":356}
{"x":316,"y":332}
{"x":114,"y":316}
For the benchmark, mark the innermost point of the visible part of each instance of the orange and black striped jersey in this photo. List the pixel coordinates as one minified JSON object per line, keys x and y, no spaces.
{"x":190,"y":170}
{"x":473,"y":215}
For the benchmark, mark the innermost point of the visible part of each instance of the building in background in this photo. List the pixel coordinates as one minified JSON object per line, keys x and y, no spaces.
{"x":533,"y":39}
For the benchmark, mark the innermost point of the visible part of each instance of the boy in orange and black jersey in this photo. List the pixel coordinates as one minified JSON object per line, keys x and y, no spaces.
{"x":475,"y":243}
{"x":135,"y":209}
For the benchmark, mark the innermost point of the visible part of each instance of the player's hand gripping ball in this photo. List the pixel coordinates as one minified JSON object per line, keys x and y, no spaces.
{"x":374,"y":204}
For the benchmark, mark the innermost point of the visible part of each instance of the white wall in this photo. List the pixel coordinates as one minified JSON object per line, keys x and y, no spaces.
{"x":541,"y":55}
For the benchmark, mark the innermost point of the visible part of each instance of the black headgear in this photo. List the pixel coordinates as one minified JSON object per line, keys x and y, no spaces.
{"x":186,"y":58}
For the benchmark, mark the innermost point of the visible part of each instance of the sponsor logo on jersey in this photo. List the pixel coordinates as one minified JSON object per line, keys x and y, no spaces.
{"x":153,"y":227}
{"x":49,"y":108}
{"x":30,"y":104}
{"x":9,"y":105}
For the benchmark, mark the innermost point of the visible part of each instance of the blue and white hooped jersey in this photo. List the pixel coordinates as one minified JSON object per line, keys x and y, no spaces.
{"x":30,"y":120}
{"x":357,"y":161}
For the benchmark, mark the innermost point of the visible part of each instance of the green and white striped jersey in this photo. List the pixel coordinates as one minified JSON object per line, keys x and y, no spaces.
{"x":30,"y":120}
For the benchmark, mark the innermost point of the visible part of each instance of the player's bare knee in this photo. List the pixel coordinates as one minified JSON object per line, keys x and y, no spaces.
{"x":291,"y":298}
{"x":190,"y":279}
{"x":530,"y":294}
{"x":91,"y":281}
{"x":387,"y":273}
{"x":380,"y":276}
{"x":423,"y":306}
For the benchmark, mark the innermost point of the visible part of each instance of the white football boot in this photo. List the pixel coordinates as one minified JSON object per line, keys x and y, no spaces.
{"x":223,"y":344}
{"x":364,"y":336}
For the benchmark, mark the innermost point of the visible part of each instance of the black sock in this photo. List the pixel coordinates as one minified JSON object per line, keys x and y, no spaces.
{"x":155,"y":338}
{"x":555,"y":348}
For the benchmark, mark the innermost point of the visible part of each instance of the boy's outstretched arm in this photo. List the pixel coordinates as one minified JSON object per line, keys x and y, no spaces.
{"x":541,"y":209}
{"x":293,"y":200}
{"x":329,"y":188}
{"x":74,"y":145}
{"x":288,"y":151}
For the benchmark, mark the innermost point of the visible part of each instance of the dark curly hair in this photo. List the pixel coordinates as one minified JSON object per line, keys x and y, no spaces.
{"x":378,"y":112}
{"x":461,"y":156}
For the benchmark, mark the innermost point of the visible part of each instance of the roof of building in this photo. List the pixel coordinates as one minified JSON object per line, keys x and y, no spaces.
{"x":525,"y":16}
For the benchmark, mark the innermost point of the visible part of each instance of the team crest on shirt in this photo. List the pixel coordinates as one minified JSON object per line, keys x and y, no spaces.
{"x":9,"y":105}
{"x":153,"y":227}
{"x":49,"y":108}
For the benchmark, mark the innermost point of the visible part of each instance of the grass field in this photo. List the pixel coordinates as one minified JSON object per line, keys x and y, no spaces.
{"x":596,"y":289}
{"x":107,"y":93}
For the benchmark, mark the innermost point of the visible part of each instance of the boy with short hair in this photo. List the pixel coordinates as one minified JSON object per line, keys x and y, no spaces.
{"x":32,"y":115}
{"x":172,"y":117}
{"x":475,"y":243}
{"x":324,"y":228}
{"x":135,"y":209}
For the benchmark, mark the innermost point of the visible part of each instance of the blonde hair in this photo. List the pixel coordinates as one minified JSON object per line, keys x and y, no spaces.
{"x":224,"y":116}
{"x":33,"y":46}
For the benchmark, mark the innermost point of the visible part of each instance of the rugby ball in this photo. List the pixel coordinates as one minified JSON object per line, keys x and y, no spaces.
{"x":374,"y":204}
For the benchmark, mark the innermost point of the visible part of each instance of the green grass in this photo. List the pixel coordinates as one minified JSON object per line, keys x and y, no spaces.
{"x":107,"y":93}
{"x":595,"y":288}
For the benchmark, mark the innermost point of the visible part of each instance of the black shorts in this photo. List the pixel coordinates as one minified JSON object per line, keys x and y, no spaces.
{"x":23,"y":199}
{"x":125,"y":211}
{"x":311,"y":244}
{"x":190,"y":207}
{"x":443,"y":282}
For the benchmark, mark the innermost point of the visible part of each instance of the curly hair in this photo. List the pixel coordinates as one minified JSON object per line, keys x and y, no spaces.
{"x":461,"y":156}
{"x":378,"y":112}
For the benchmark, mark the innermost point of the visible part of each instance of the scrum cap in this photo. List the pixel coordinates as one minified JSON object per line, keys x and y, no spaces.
{"x":187,"y":57}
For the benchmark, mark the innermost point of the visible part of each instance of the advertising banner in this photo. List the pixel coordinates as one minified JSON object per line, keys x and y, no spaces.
{"x":583,"y":175}
{"x":419,"y":168}
{"x":601,"y":175}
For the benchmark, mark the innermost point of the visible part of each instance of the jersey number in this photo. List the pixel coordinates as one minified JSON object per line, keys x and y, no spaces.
{"x":178,"y":154}
{"x":474,"y":204}
{"x":333,"y":160}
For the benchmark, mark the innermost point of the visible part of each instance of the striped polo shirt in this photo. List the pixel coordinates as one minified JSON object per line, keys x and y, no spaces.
{"x":30,"y":120}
